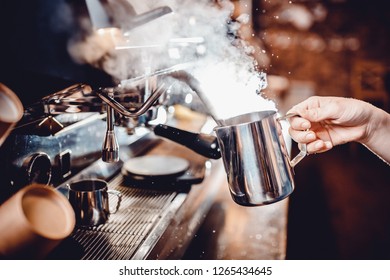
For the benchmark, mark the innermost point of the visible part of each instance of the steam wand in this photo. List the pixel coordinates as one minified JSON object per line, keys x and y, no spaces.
{"x":194,"y":84}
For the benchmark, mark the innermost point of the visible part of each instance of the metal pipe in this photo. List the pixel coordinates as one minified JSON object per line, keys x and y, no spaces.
{"x":110,"y":150}
{"x":131,"y":112}
{"x":194,"y":84}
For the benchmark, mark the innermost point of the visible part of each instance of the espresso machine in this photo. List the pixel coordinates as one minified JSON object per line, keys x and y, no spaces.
{"x":82,"y":122}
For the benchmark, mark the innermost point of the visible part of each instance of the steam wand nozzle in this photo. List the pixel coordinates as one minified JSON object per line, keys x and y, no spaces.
{"x":110,"y":150}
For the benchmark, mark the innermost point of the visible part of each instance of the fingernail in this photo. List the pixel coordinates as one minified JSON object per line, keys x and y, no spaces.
{"x":319,"y":145}
{"x":328,"y":145}
{"x":305,"y":125}
{"x":310,"y":136}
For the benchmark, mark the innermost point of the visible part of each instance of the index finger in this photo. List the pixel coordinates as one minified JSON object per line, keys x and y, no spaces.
{"x":296,"y":121}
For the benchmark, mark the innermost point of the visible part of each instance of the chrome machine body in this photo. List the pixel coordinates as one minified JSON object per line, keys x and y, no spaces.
{"x":88,"y":129}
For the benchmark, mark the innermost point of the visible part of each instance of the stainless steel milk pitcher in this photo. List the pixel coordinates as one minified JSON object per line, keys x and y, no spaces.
{"x":258,"y":167}
{"x":90,"y":201}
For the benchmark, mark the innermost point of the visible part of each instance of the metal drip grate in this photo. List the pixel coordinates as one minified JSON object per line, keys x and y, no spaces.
{"x":140,"y":213}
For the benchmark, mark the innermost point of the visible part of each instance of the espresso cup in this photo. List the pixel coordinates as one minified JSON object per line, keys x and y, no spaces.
{"x":90,"y":201}
{"x":11,"y":111}
{"x":258,"y":167}
{"x":33,"y":222}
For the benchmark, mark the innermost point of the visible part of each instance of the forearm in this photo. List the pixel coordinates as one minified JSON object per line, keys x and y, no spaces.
{"x":378,"y":135}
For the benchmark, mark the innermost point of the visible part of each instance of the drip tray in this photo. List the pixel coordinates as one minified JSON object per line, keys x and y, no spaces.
{"x":130,"y":233}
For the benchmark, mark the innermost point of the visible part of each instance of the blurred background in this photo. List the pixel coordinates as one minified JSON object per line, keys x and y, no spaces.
{"x":337,"y":47}
{"x":340,"y":208}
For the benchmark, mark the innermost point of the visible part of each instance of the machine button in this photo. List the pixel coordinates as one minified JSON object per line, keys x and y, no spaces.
{"x":38,"y":168}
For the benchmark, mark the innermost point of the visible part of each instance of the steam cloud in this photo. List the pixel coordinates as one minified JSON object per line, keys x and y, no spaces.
{"x":196,"y":31}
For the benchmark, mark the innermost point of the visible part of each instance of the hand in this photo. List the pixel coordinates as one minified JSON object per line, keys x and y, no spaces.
{"x":325,"y":122}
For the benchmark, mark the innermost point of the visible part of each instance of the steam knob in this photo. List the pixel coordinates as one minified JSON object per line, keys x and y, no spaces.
{"x":38,"y":168}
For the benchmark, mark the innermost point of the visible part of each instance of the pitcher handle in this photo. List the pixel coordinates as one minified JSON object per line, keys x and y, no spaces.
{"x":118,"y":194}
{"x":302,"y":147}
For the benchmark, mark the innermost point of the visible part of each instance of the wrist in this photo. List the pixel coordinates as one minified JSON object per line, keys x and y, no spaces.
{"x":377,"y":129}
